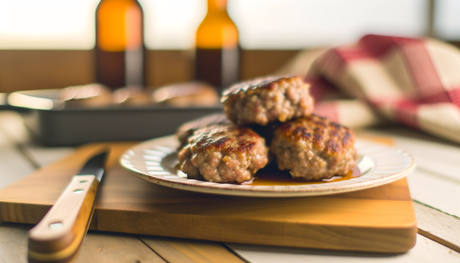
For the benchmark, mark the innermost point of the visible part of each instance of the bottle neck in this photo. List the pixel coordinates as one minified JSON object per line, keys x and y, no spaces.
{"x":217,"y":6}
{"x":217,"y":29}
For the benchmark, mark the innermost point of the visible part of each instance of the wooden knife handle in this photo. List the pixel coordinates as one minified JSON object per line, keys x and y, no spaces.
{"x":58,"y":236}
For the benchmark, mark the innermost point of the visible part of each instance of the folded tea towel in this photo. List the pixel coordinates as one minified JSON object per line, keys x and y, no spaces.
{"x":415,"y":82}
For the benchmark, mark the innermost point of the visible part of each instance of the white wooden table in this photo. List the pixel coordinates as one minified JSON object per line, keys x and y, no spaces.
{"x":434,"y":185}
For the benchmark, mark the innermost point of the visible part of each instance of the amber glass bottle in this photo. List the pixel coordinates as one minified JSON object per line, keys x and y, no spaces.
{"x":217,"y":52}
{"x":119,"y":44}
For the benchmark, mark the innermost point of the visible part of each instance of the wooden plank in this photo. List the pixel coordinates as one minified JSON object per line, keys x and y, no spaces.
{"x":13,"y":242}
{"x":425,"y":250}
{"x":42,"y":156}
{"x":189,"y":251}
{"x":96,"y":247}
{"x":14,"y":130}
{"x":439,"y":158}
{"x":109,"y":247}
{"x":13,"y":164}
{"x":438,"y":226}
{"x":435,"y":191}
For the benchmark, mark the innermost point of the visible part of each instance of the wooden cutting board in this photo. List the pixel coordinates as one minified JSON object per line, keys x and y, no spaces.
{"x":380,"y":219}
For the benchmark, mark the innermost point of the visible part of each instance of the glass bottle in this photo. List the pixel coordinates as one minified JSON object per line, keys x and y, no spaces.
{"x":120,"y":44}
{"x":217,"y":51}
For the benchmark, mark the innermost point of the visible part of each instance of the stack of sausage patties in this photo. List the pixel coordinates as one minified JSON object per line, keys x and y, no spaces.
{"x":265,"y":116}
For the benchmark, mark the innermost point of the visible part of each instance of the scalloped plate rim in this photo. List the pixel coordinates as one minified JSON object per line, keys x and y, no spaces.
{"x":264,"y":191}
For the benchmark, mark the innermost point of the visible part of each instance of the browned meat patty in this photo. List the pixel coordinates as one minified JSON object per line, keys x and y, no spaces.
{"x":187,"y":129}
{"x":263,"y":101}
{"x":223,"y":154}
{"x":314,"y":148}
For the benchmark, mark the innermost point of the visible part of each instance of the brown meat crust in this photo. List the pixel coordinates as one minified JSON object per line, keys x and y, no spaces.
{"x":266,"y":100}
{"x":187,"y":129}
{"x":224,"y":154}
{"x":314,"y":148}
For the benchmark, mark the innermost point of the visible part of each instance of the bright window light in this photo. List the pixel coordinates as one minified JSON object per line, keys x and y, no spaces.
{"x":263,"y":24}
{"x":171,"y":24}
{"x":448,"y":19}
{"x":47,"y":24}
{"x":296,"y":24}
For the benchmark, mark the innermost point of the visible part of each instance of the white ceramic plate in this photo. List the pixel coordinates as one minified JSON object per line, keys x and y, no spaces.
{"x":154,"y":161}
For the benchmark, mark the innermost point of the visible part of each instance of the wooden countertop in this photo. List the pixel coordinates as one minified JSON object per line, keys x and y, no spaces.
{"x":434,"y":186}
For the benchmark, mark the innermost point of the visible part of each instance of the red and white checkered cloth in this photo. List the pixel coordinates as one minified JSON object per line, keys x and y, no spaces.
{"x":415,"y":82}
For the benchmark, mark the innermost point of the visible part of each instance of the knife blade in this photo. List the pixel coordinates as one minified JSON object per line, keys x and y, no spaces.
{"x":58,"y":236}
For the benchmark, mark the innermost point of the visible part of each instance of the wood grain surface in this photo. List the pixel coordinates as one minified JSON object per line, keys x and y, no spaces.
{"x":176,"y":250}
{"x":425,"y":251}
{"x":97,"y":247}
{"x":438,"y":226}
{"x":381,"y":219}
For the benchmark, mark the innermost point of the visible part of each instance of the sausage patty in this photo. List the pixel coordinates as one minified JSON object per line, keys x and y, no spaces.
{"x":187,"y":129}
{"x":314,"y":148}
{"x":224,"y":154}
{"x":263,"y":101}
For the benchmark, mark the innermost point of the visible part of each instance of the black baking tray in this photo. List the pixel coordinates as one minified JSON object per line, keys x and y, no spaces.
{"x":70,"y":127}
{"x":54,"y":122}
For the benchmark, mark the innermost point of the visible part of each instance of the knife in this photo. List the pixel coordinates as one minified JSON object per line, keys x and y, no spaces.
{"x":58,"y":236}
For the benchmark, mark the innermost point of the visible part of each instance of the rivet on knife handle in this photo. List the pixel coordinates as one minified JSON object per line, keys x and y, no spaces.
{"x":58,"y":236}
